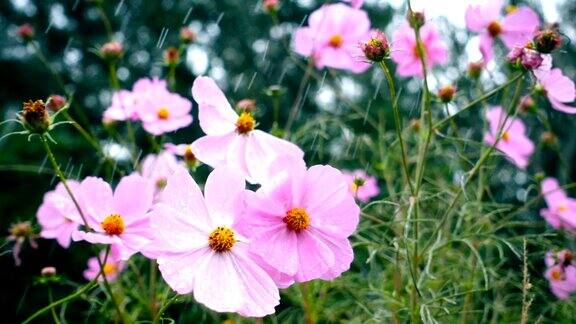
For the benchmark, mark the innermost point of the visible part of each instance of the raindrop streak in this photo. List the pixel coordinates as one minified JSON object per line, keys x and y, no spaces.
{"x":187,"y":16}
{"x":79,"y":171}
{"x":238,"y":82}
{"x":219,"y":19}
{"x":377,"y":89}
{"x":355,"y":152}
{"x":42,"y":165}
{"x":303,"y":20}
{"x":282,"y":74}
{"x":322,"y":82}
{"x":265,"y":51}
{"x":48,"y":28}
{"x":75,"y":5}
{"x":68,"y":44}
{"x":118,"y":7}
{"x":367,"y":112}
{"x":162,"y":38}
{"x":252,"y":80}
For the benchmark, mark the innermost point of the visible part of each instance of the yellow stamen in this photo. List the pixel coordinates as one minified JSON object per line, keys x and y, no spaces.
{"x":163,"y":113}
{"x":297,"y":219}
{"x":113,"y":224}
{"x":221,"y":240}
{"x":336,"y":40}
{"x":494,"y":29}
{"x":245,"y":123}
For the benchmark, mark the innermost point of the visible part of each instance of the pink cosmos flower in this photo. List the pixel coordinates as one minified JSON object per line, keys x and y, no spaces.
{"x":405,"y":51}
{"x":124,"y":107}
{"x":299,"y":222}
{"x":58,"y":215}
{"x":231,"y":139}
{"x":157,"y":168}
{"x":559,"y":89}
{"x":117,"y":217}
{"x":112,"y":267}
{"x":21,"y":233}
{"x":561,"y":211}
{"x":516,"y":28}
{"x":561,"y":273}
{"x":332,"y":37}
{"x":513,"y":142}
{"x":362,"y":186}
{"x":355,"y":3}
{"x":200,"y":250}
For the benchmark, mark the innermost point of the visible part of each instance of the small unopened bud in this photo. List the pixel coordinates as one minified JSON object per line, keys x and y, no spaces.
{"x":21,"y":230}
{"x":112,"y":51}
{"x":55,"y":102}
{"x":548,"y":138}
{"x":446,"y":93}
{"x":35,"y":117}
{"x":48,"y":272}
{"x":527,"y":104}
{"x":548,"y":39}
{"x":26,"y":32}
{"x":377,"y":48}
{"x":475,"y":69}
{"x":274,"y":91}
{"x":415,"y":125}
{"x":190,"y":158}
{"x":524,"y":56}
{"x":187,"y":35}
{"x":270,"y":6}
{"x":540,"y":176}
{"x":416,"y":19}
{"x":171,"y":56}
{"x":246,"y":105}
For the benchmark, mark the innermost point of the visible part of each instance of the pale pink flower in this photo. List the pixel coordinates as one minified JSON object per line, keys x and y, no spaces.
{"x":158,"y":167}
{"x":561,"y":211}
{"x":231,"y":139}
{"x":405,"y":50}
{"x":559,"y":89}
{"x":199,"y":249}
{"x":332,"y":37}
{"x":112,"y":267}
{"x":300,"y":221}
{"x":124,"y":106}
{"x":516,"y":28}
{"x":363,"y":186}
{"x":561,"y":273}
{"x":117,"y":217}
{"x":164,"y":111}
{"x":513,"y":142}
{"x":58,"y":216}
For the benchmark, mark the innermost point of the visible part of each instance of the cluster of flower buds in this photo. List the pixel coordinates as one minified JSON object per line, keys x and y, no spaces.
{"x":475,"y":69}
{"x":531,"y":55}
{"x":112,"y":51}
{"x":35,"y":117}
{"x":377,"y":48}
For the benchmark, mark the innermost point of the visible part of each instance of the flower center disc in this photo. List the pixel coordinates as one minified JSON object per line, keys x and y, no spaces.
{"x":556,"y":274}
{"x":189,"y":155}
{"x":109,"y":268}
{"x":336,"y":40}
{"x":163,"y":113}
{"x":297,"y":219}
{"x":506,"y":136}
{"x":113,"y":224}
{"x":245,"y":123}
{"x":494,"y":29}
{"x":221,"y":239}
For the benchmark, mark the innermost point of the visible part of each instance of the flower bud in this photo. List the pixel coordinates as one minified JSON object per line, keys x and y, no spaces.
{"x":246,"y":105}
{"x":55,"y":103}
{"x":22,"y":230}
{"x":270,"y":6}
{"x":25,"y":32}
{"x":527,"y":104}
{"x":377,"y":48}
{"x":548,"y":39}
{"x":35,"y":117}
{"x":274,"y":91}
{"x":112,"y":51}
{"x":48,"y":272}
{"x":171,"y":56}
{"x":187,"y":35}
{"x":415,"y":125}
{"x":475,"y":69}
{"x":548,"y":138}
{"x":446,"y":93}
{"x":416,"y":19}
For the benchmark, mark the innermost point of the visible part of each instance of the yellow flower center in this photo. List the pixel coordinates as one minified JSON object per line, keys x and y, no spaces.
{"x":163,"y":113}
{"x":336,"y":41}
{"x":494,"y":29}
{"x":113,"y":224}
{"x":556,"y":274}
{"x":109,"y":268}
{"x":506,"y":136}
{"x":297,"y":219}
{"x":188,"y":155}
{"x":245,"y":123}
{"x":562,"y":208}
{"x":221,"y":239}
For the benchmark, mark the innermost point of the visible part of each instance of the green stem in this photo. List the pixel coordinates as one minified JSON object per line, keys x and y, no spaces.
{"x":114,"y":83}
{"x":153,"y":310}
{"x":163,"y":308}
{"x":294,"y":110}
{"x":105,"y":20}
{"x":53,"y":309}
{"x":172,"y":76}
{"x":397,"y":122}
{"x":64,"y":300}
{"x":309,"y":317}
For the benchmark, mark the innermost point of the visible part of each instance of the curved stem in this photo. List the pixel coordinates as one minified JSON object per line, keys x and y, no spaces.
{"x":53,"y":309}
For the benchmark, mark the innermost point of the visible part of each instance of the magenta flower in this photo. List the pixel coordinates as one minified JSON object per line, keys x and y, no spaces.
{"x":332,"y":37}
{"x":516,"y":28}
{"x":199,"y":249}
{"x":58,"y":215}
{"x":112,"y":267}
{"x":362,"y":186}
{"x":561,"y":273}
{"x":117,"y":217}
{"x":157,"y":168}
{"x":559,"y":89}
{"x":232,"y":140}
{"x":561,"y":211}
{"x":513,"y":142}
{"x":299,"y":222}
{"x":406,"y":54}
